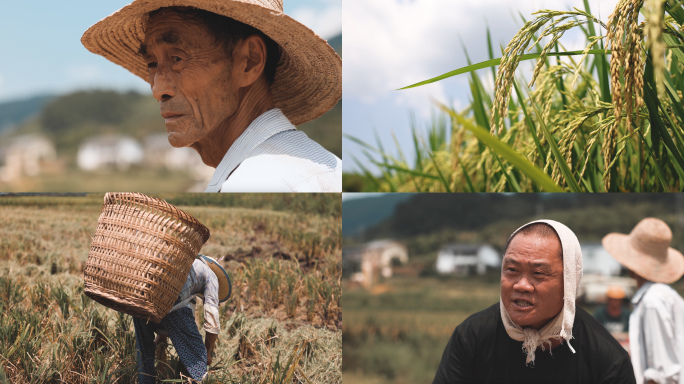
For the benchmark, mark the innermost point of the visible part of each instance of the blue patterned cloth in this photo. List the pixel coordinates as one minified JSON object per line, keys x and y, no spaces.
{"x":182,"y":330}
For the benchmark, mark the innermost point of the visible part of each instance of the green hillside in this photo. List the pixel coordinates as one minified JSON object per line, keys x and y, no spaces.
{"x":362,"y":214}
{"x":14,"y":113}
{"x":424,"y":222}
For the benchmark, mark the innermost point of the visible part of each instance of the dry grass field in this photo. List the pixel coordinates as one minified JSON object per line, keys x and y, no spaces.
{"x":282,"y":324}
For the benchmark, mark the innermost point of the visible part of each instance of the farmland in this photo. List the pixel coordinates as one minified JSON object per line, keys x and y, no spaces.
{"x":397,"y":333}
{"x":282,"y":323}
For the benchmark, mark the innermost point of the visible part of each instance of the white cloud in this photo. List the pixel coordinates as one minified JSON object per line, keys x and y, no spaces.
{"x":389,"y":44}
{"x":83,"y":73}
{"x":392,"y":43}
{"x":326,"y":22}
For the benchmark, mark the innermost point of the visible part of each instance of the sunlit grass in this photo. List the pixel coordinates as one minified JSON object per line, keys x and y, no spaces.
{"x":281,"y":325}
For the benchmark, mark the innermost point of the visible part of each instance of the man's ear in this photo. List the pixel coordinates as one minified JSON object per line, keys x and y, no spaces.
{"x":249,"y":59}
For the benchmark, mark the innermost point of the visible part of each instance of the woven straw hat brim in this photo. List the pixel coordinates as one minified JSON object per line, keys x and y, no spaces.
{"x":225,"y":288}
{"x":643,"y":264}
{"x":308,"y":79}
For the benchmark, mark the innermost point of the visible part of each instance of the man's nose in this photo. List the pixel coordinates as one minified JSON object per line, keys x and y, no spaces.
{"x":163,"y":84}
{"x":523,"y":285}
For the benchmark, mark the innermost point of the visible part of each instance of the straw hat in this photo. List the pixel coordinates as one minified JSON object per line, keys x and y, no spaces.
{"x":308,"y":80}
{"x":615,"y":292}
{"x":225,"y":287}
{"x":646,"y":251}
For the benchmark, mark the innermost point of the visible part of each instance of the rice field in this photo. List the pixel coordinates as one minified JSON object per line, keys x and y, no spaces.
{"x":398,"y":336}
{"x":607,"y":118}
{"x":282,"y":324}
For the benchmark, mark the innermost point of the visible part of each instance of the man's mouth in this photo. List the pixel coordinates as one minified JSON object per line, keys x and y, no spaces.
{"x":170,"y":116}
{"x":522,"y":303}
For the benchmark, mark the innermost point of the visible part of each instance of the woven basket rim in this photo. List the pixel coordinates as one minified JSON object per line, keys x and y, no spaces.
{"x":160,"y":204}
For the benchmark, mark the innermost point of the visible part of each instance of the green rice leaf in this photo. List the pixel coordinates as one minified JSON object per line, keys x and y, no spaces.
{"x":490,"y":63}
{"x":565,"y":170}
{"x":521,"y":163}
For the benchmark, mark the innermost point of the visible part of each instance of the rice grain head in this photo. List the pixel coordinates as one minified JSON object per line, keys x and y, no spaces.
{"x":655,"y":12}
{"x":626,"y":61}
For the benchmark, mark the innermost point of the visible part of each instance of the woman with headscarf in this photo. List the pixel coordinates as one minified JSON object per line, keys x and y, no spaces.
{"x":535,"y":334}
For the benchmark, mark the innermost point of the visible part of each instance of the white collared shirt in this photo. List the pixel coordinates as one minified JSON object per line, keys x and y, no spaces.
{"x":656,"y":334}
{"x":201,"y":281}
{"x":272,"y":156}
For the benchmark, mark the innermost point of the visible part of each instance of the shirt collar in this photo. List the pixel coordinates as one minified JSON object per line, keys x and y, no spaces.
{"x":641,"y":292}
{"x":261,"y":129}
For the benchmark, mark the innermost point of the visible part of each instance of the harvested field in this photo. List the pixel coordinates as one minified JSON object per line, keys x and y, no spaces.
{"x":282,"y":324}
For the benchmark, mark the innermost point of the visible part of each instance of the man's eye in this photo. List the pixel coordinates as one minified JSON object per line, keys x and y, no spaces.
{"x":152,"y":64}
{"x":175,"y":59}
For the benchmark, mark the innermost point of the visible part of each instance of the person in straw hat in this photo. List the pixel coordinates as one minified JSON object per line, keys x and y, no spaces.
{"x":535,"y":334}
{"x":207,"y":279}
{"x":656,"y":325}
{"x":233,"y":79}
{"x":614,"y":316}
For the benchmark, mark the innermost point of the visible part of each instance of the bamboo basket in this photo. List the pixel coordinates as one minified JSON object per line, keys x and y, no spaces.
{"x":141,"y":255}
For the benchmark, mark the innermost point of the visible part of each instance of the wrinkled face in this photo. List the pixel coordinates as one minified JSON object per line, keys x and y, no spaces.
{"x":532,"y":280}
{"x":190,"y":77}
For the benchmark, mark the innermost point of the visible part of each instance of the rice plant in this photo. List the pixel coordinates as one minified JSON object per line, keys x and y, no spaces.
{"x":608,"y":118}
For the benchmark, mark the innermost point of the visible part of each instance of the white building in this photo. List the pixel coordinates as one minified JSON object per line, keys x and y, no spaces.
{"x":597,"y":261}
{"x":375,"y":260}
{"x":601,"y":271}
{"x":25,"y":156}
{"x":467,"y":259}
{"x":160,"y":154}
{"x":102,"y":152}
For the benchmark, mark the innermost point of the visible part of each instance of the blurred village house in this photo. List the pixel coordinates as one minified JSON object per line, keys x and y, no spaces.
{"x":601,"y":271}
{"x":121,"y":152}
{"x":467,"y":259}
{"x":160,"y":154}
{"x":27,"y":155}
{"x":111,"y":151}
{"x":373,"y":262}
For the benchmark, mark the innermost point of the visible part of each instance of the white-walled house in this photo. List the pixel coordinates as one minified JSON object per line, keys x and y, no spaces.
{"x":597,"y":261}
{"x":112,"y":151}
{"x":375,"y":260}
{"x":467,"y":259}
{"x":25,"y":156}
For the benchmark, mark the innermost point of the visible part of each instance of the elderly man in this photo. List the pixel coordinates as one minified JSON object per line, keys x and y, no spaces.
{"x":233,"y":78}
{"x":207,"y":279}
{"x":656,"y":325}
{"x":535,"y":334}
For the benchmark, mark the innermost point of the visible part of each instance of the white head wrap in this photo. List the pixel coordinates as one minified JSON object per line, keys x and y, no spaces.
{"x":561,"y":325}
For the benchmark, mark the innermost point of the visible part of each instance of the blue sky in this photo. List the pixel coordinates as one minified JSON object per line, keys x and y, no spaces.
{"x":389,"y":44}
{"x":42,"y":52}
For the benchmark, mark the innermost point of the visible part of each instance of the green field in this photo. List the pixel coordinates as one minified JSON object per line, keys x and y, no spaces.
{"x":398,"y":334}
{"x":282,"y":324}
